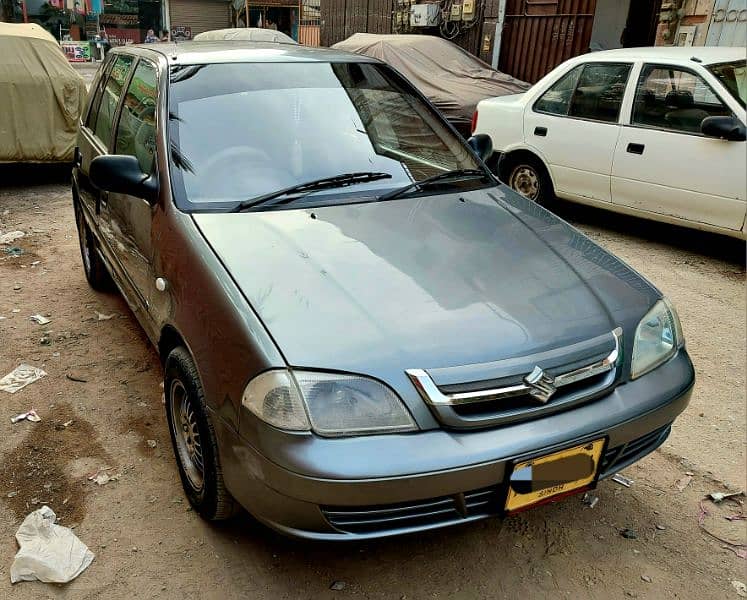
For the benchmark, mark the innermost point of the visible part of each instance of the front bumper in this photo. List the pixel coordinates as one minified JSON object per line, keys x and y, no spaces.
{"x":355,"y":488}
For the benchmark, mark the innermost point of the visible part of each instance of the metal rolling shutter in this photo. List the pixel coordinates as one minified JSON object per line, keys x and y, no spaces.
{"x":200,"y":15}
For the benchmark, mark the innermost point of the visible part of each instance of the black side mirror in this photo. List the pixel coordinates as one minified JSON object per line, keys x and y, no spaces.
{"x":482,"y":145}
{"x":725,"y":128}
{"x":121,"y":174}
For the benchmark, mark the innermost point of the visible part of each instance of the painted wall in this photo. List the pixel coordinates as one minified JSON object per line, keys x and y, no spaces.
{"x":609,"y":21}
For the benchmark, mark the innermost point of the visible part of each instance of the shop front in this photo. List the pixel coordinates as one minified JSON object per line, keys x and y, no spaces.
{"x":128,"y":21}
{"x":282,"y":15}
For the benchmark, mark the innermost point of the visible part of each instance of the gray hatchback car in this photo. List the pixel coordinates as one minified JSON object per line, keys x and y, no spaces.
{"x":363,"y":333}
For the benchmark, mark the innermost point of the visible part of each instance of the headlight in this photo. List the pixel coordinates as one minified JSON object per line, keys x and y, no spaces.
{"x":328,"y":404}
{"x":657,"y":338}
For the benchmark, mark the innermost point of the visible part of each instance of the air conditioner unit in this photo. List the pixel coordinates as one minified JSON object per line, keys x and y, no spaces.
{"x":425,"y":15}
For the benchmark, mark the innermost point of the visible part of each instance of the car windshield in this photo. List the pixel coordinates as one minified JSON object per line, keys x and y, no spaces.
{"x":734,"y":77}
{"x":241,"y":130}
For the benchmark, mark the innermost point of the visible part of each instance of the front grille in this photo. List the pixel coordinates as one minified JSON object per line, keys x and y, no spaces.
{"x":526,"y":402}
{"x":619,"y":457}
{"x":416,"y":514}
{"x":524,"y":387}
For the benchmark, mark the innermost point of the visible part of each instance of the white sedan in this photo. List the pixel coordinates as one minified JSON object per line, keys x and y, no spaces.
{"x":653,"y":132}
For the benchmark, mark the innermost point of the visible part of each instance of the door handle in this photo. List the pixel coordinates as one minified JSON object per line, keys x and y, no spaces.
{"x":540,"y":131}
{"x":636,"y":148}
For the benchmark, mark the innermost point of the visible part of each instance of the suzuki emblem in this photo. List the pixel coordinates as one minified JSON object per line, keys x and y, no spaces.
{"x":542,"y":385}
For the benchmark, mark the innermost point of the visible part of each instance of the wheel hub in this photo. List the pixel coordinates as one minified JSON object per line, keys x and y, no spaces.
{"x":187,"y":434}
{"x":524,"y":180}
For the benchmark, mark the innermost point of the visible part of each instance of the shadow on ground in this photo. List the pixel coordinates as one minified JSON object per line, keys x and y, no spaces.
{"x":713,"y":245}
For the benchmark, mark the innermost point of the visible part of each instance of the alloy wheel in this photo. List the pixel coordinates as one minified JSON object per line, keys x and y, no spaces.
{"x":187,"y":435}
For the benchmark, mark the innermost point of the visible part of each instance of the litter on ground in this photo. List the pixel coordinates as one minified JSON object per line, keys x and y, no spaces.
{"x":717,"y":497}
{"x":20,"y":377}
{"x":39,"y":319}
{"x":27,"y":416}
{"x":683,"y":482}
{"x":48,"y":552}
{"x":11,"y":236}
{"x":622,"y":480}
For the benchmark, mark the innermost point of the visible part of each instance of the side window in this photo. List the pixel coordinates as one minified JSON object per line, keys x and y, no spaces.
{"x":96,"y":100}
{"x":674,"y":99}
{"x":136,"y":133}
{"x":557,"y":98}
{"x":599,"y":92}
{"x":110,"y":97}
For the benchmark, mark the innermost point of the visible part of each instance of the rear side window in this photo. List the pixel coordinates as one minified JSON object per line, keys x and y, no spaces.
{"x":599,"y":92}
{"x":592,"y":91}
{"x":110,"y":98}
{"x":675,"y":99}
{"x":557,"y":99}
{"x":136,"y":133}
{"x":98,"y":91}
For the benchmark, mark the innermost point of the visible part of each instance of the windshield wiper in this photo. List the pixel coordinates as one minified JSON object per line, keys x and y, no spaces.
{"x":337,"y":181}
{"x":457,"y":174}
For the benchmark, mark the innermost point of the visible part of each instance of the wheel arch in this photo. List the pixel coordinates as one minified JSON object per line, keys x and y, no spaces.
{"x":512,"y":156}
{"x":169,"y":339}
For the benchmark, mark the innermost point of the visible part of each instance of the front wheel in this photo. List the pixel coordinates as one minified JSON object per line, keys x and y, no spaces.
{"x":528,"y":177}
{"x":193,"y":439}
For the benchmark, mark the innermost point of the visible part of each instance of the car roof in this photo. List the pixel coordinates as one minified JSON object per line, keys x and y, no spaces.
{"x":233,"y":51}
{"x":704,"y":54}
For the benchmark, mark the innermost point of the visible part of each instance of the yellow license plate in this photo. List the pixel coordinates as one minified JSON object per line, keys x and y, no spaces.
{"x":543,"y":478}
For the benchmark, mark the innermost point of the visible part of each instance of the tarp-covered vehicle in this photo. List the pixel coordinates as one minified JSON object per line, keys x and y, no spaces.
{"x":449,"y":76}
{"x":244,"y":34}
{"x":41,"y":94}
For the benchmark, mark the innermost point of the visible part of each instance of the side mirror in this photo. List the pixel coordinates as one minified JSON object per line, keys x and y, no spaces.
{"x":121,"y":174}
{"x":725,"y":128}
{"x":482,"y":145}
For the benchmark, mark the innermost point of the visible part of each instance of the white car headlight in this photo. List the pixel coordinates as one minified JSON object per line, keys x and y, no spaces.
{"x":329,"y":404}
{"x":657,"y":338}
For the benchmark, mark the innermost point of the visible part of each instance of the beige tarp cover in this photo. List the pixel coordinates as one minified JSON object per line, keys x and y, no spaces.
{"x":41,"y":96}
{"x":244,"y":34}
{"x":453,"y":79}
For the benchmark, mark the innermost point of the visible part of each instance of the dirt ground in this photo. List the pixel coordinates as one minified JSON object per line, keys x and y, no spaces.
{"x":101,"y":412}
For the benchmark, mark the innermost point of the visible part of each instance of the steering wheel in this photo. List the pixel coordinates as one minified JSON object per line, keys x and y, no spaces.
{"x":229,"y":167}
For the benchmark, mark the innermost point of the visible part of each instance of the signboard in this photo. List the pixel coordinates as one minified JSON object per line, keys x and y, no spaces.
{"x":180,"y":33}
{"x":123,"y":37}
{"x":77,"y":51}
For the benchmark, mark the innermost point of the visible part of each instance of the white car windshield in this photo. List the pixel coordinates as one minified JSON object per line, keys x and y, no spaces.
{"x":734,"y":77}
{"x":241,"y":130}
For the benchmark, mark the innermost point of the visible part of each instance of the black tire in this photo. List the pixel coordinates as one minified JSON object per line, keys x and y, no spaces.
{"x":199,"y":463}
{"x":527,"y":175}
{"x":93,"y":266}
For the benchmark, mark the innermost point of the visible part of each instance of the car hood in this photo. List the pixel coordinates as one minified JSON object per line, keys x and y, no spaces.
{"x":429,"y":282}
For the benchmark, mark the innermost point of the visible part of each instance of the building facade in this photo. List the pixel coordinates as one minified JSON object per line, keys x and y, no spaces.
{"x":528,"y":38}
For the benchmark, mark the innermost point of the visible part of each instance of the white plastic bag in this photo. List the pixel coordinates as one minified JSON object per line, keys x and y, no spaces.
{"x":19,"y":378}
{"x":49,"y":553}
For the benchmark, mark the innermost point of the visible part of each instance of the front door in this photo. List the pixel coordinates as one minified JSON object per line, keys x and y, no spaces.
{"x":574,"y":127}
{"x":128,"y":220}
{"x":96,"y":132}
{"x":664,"y":165}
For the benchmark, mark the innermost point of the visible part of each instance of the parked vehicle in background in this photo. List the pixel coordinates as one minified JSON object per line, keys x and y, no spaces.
{"x":653,"y":132}
{"x":41,"y":97}
{"x":449,"y":76}
{"x":363,"y":333}
{"x":244,"y":34}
